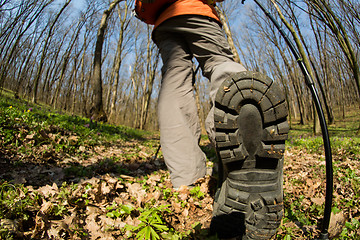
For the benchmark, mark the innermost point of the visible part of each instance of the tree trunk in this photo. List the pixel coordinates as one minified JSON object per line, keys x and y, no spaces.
{"x":228,"y":33}
{"x":198,"y":105}
{"x":118,"y":61}
{"x":148,"y":92}
{"x":97,"y":110}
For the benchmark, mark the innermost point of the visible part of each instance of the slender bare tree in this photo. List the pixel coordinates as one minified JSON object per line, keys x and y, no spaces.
{"x":44,"y":50}
{"x":97,"y":109}
{"x":124,"y":23}
{"x":326,"y":14}
{"x":152,"y":60}
{"x":229,"y":36}
{"x":302,"y":53}
{"x":31,"y":18}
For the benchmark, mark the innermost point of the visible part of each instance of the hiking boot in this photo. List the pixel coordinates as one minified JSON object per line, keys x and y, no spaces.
{"x":251,"y":129}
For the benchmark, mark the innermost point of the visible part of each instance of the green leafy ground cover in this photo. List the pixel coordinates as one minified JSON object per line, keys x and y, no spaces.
{"x":66,"y":177}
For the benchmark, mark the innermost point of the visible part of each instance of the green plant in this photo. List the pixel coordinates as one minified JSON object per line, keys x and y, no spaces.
{"x":78,"y":231}
{"x":294,"y":210}
{"x":59,"y":210}
{"x":350,"y":230}
{"x":65,"y":191}
{"x":15,"y":202}
{"x":196,"y":192}
{"x":5,"y":234}
{"x":287,"y":231}
{"x":151,"y":223}
{"x":166,"y":193}
{"x":82,"y":200}
{"x":121,"y":211}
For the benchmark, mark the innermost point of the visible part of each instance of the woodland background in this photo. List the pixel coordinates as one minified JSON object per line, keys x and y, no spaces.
{"x":96,"y":59}
{"x":79,"y":82}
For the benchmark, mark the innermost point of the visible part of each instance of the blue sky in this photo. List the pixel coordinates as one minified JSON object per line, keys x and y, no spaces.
{"x":78,"y":3}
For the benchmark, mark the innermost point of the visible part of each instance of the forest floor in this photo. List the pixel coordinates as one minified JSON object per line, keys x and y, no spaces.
{"x":66,"y":177}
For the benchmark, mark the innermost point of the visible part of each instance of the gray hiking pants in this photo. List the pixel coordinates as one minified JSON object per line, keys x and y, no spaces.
{"x":179,"y":40}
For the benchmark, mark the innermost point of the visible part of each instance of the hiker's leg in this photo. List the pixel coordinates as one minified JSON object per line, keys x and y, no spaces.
{"x":211,"y":49}
{"x":178,"y":118}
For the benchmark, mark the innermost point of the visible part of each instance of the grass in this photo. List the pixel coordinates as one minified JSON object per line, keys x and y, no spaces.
{"x":32,"y":131}
{"x":344,"y":138}
{"x":345,"y":146}
{"x":24,"y":125}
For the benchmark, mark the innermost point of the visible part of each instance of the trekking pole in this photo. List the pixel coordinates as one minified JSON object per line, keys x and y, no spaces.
{"x":325,"y":134}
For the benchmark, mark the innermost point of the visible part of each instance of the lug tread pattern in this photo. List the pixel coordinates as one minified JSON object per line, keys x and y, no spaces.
{"x":259,"y":89}
{"x":255,"y":192}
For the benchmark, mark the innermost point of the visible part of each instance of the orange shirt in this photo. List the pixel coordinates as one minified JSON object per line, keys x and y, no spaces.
{"x":187,"y":7}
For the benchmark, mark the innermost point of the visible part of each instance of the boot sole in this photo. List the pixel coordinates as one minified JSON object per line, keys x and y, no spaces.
{"x":251,"y":129}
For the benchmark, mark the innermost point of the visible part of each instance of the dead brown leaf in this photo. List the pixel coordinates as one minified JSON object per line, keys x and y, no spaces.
{"x":136,"y":191}
{"x":318,"y":201}
{"x":48,"y":191}
{"x":337,"y":222}
{"x":41,"y":219}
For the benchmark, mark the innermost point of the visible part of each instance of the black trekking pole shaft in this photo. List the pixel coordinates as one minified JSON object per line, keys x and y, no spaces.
{"x":325,"y":133}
